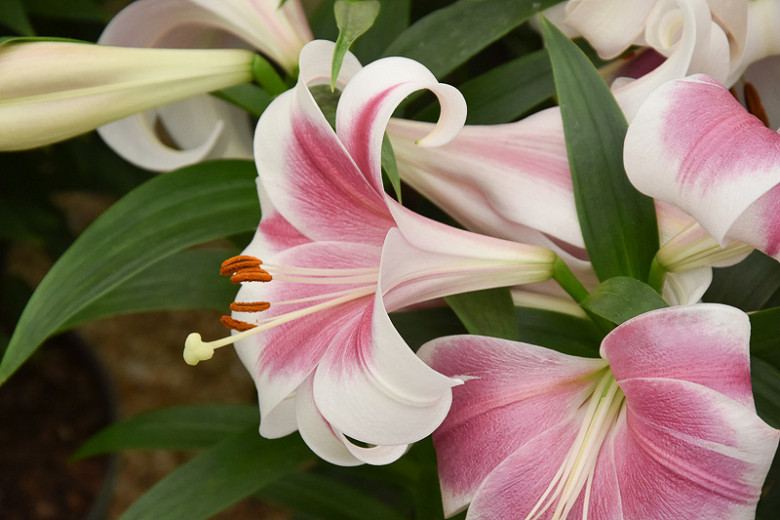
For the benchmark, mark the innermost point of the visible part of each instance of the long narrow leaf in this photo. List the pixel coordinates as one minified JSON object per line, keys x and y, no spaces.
{"x":181,"y":428}
{"x":618,"y":223}
{"x":188,"y":280}
{"x":488,"y":313}
{"x":765,"y":335}
{"x":231,"y":470}
{"x":160,"y":218}
{"x":506,"y":92}
{"x":326,"y":498}
{"x":562,"y":332}
{"x":747,"y":285}
{"x":448,"y":37}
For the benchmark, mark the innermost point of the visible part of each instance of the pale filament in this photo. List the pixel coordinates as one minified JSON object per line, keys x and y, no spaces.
{"x":196,"y":350}
{"x":579,"y":465}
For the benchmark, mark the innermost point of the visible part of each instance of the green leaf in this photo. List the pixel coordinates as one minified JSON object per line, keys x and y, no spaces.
{"x":353,"y":19}
{"x":160,"y":218}
{"x":250,"y":97}
{"x":747,"y":285}
{"x":86,"y":10}
{"x":393,"y":19}
{"x":13,"y":16}
{"x":505,"y":93}
{"x":562,"y":332}
{"x":618,"y":223}
{"x":181,"y":428}
{"x":449,"y":36}
{"x":266,"y":76}
{"x":488,"y":313}
{"x":422,"y":325}
{"x":621,"y":298}
{"x":765,"y":335}
{"x":390,"y":167}
{"x":766,"y":390}
{"x":324,"y":497}
{"x":188,"y":280}
{"x":233,"y":469}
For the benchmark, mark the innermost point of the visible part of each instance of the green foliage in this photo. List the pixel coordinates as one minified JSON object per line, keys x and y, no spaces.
{"x":232,"y":469}
{"x":449,"y":36}
{"x":158,"y":219}
{"x":353,"y":18}
{"x":182,"y":428}
{"x":487,"y":313}
{"x":621,"y":298}
{"x":618,"y":223}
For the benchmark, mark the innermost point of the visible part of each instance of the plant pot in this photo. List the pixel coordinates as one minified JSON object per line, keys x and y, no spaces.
{"x":51,"y":406}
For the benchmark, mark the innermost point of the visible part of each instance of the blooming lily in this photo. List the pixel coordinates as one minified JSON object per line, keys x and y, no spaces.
{"x":310,"y":321}
{"x":523,"y":188}
{"x":693,"y":145}
{"x":51,"y":91}
{"x":654,"y":429}
{"x":202,"y":127}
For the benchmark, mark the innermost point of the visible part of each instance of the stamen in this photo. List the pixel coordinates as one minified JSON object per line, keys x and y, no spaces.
{"x":754,"y":105}
{"x":251,"y":274}
{"x":576,"y":471}
{"x":235,"y":324}
{"x":237,"y":263}
{"x":249,"y":306}
{"x":196,"y":350}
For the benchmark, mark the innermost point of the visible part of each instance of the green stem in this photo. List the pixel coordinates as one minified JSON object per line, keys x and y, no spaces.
{"x":266,"y":76}
{"x":657,"y":275}
{"x":566,"y":279}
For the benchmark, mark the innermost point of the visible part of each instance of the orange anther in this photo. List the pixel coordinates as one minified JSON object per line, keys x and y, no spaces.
{"x":754,"y":105}
{"x":251,"y":274}
{"x":249,"y":306}
{"x":237,"y":263}
{"x":234,"y":324}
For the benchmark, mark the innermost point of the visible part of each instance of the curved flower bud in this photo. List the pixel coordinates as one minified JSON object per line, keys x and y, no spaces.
{"x":652,"y":430}
{"x":693,"y":145}
{"x":55,"y":90}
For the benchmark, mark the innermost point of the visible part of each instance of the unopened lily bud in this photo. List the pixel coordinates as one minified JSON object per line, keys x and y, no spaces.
{"x":51,"y":91}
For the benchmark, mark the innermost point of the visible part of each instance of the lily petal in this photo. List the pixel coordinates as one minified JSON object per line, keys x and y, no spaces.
{"x":373,"y":388}
{"x":694,"y":146}
{"x":278,"y":32}
{"x":634,"y":350}
{"x":514,"y":394}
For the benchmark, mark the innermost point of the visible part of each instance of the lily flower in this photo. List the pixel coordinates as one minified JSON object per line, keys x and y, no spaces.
{"x":653,"y":429}
{"x":513,"y":180}
{"x":693,"y":145}
{"x":52,"y":91}
{"x":201,"y":127}
{"x":310,"y":321}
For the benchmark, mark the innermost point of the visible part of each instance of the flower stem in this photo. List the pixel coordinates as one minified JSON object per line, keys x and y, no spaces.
{"x":566,"y":279}
{"x":657,"y":275}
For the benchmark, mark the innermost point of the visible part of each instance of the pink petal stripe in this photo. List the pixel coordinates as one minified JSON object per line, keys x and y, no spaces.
{"x":279,"y":359}
{"x":310,"y":177}
{"x":694,"y":146}
{"x":671,"y":343}
{"x":372,"y":387}
{"x":513,"y":392}
{"x":686,"y":451}
{"x":372,"y":95}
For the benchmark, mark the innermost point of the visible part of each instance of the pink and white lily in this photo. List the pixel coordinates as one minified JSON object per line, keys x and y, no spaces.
{"x":201,"y":127}
{"x":338,"y":255}
{"x":653,"y":429}
{"x":693,"y":145}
